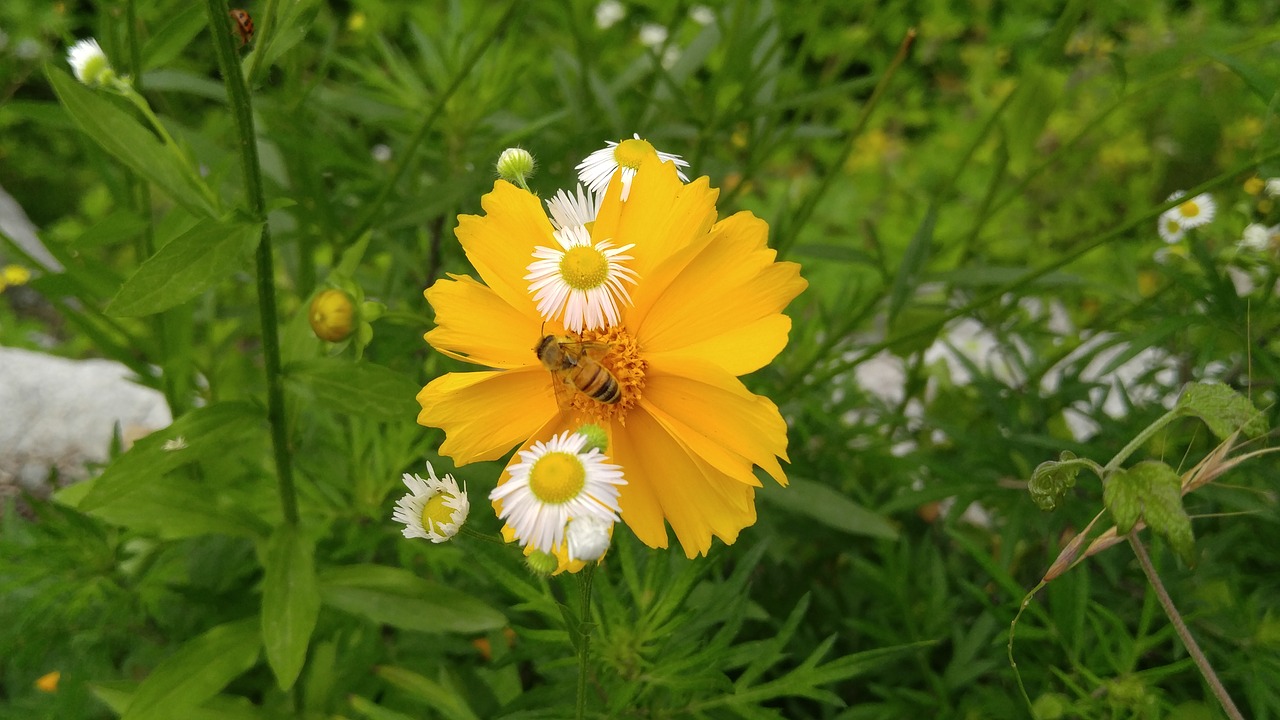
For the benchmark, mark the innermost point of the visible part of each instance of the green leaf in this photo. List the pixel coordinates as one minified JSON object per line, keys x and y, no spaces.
{"x":1163,"y":510}
{"x":206,"y":431}
{"x":118,"y":695}
{"x":399,"y":598}
{"x":290,"y":603}
{"x":374,"y":711}
{"x":191,"y":263}
{"x":1122,"y":494}
{"x":196,"y":672}
{"x":829,"y":507}
{"x":1263,"y":87}
{"x":913,"y":264}
{"x":117,"y":227}
{"x":131,"y":143}
{"x":167,"y":42}
{"x":447,"y":701}
{"x":358,"y":388}
{"x":1224,"y":410}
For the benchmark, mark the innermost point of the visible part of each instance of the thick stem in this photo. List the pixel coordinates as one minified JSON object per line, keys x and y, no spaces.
{"x":238,"y":97}
{"x":1193,"y":649}
{"x":584,"y":637}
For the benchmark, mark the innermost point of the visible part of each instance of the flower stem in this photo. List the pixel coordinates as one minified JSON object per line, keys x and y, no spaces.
{"x":584,"y":636}
{"x":1193,"y":649}
{"x":238,"y":97}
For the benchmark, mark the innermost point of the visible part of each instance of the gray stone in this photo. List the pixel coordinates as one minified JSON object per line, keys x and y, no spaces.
{"x":60,"y":414}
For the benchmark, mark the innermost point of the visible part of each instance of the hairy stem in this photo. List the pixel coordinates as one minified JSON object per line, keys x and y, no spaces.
{"x":238,"y":97}
{"x":1193,"y":649}
{"x":584,"y":637}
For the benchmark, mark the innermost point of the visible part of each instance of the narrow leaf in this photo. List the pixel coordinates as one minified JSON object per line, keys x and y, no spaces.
{"x":196,"y":672}
{"x":396,"y":597}
{"x":913,"y":263}
{"x":290,"y":603}
{"x":829,"y":507}
{"x":131,"y":143}
{"x":169,"y":39}
{"x":358,"y":388}
{"x":445,"y":700}
{"x":191,"y":263}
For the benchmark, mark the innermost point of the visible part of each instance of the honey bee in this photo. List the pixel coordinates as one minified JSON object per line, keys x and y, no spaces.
{"x":244,"y":25}
{"x":576,"y":364}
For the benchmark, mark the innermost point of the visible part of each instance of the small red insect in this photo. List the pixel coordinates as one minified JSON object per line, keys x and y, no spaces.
{"x":244,"y":25}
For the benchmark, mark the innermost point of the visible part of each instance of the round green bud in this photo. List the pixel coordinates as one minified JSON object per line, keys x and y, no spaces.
{"x":515,"y":165}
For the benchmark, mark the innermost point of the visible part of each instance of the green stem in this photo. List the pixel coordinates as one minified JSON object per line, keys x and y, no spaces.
{"x":238,"y":96}
{"x":1140,"y":439}
{"x":1193,"y":649}
{"x":584,"y":637}
{"x":406,"y":155}
{"x":265,"y":33}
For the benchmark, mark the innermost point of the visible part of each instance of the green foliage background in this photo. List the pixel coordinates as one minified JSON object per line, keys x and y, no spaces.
{"x":1015,"y":162}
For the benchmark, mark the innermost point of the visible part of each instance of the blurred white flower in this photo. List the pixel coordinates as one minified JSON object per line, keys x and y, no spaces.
{"x":381,"y":152}
{"x":88,"y":62}
{"x":1273,"y":187}
{"x":1170,"y":227}
{"x":652,"y":35}
{"x":702,"y":14}
{"x":1256,"y":237}
{"x":608,"y":13}
{"x":588,"y":537}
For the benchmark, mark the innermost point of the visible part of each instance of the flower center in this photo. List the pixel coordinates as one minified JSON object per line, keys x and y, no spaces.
{"x":557,"y":477}
{"x":584,"y":268}
{"x":623,"y":361}
{"x":1171,"y":225}
{"x":435,"y":513}
{"x":630,"y":153}
{"x":1189,"y":209}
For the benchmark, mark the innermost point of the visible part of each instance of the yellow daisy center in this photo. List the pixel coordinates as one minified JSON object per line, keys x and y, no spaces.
{"x":628,"y":368}
{"x":435,"y":513}
{"x":630,"y":153}
{"x":557,"y":477}
{"x":584,"y":268}
{"x":1189,"y":209}
{"x":1171,"y":225}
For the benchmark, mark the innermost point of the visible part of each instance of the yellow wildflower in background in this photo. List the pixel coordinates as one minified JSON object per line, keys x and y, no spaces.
{"x":706,"y":308}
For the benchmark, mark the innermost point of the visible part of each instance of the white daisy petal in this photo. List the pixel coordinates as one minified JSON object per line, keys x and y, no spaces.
{"x":580,"y":283}
{"x":599,"y":167}
{"x":1195,"y":212}
{"x":554,"y":482}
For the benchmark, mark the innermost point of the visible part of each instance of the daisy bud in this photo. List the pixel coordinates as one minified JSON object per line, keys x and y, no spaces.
{"x":596,"y":437}
{"x":89,"y":63}
{"x":541,"y":563}
{"x":588,"y":538}
{"x":515,"y":165}
{"x":332,"y":315}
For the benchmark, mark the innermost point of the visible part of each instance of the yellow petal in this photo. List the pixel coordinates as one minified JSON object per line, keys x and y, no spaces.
{"x":739,"y":351}
{"x":707,"y":398}
{"x":485,"y":414}
{"x":500,"y":243}
{"x":697,"y":500}
{"x":732,"y":283}
{"x":641,"y":510}
{"x":475,"y":324}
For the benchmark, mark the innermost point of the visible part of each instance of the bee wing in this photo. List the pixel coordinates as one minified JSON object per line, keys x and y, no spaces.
{"x":593,"y":350}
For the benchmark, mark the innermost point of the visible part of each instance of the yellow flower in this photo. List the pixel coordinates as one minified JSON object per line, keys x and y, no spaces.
{"x":48,"y":683}
{"x":331,"y":315}
{"x":706,"y":308}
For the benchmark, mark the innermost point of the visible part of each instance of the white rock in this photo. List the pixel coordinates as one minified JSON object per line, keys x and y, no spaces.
{"x":62,"y":414}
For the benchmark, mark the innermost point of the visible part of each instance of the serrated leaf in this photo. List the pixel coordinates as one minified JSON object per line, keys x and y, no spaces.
{"x":290,"y":603}
{"x":196,"y":672}
{"x":829,"y":507}
{"x":399,"y":598}
{"x":1122,"y":494}
{"x":445,"y":700}
{"x":191,"y":263}
{"x":131,"y":143}
{"x":1224,"y":410}
{"x":357,"y":388}
{"x":1163,"y":510}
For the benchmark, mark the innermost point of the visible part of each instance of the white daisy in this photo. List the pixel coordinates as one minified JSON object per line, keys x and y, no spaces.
{"x":580,"y":283}
{"x":554,"y":482}
{"x":1170,"y":226}
{"x":588,"y":537}
{"x":1256,"y":237}
{"x":702,"y":14}
{"x":88,"y":62}
{"x":1195,"y":212}
{"x":579,"y":210}
{"x":434,"y":509}
{"x":598,"y":168}
{"x":652,"y":35}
